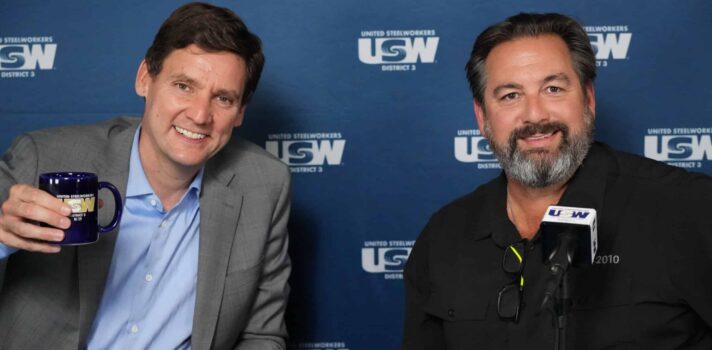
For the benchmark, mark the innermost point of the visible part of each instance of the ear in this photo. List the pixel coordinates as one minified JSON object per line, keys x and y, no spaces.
{"x":143,"y":79}
{"x":479,"y":115}
{"x":591,"y":98}
{"x":240,"y":116}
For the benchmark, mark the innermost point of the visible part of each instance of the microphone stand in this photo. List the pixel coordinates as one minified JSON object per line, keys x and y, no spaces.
{"x":557,"y":296}
{"x":563,"y":303}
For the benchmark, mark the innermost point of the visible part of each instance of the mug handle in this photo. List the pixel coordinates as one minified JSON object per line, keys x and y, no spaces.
{"x":117,"y":205}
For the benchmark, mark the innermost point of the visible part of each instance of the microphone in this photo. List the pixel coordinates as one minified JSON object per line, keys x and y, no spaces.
{"x":569,"y":237}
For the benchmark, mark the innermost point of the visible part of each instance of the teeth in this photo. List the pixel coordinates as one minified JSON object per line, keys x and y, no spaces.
{"x":539,"y":136}
{"x":189,"y":134}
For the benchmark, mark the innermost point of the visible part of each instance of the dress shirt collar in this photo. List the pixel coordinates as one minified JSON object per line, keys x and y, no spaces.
{"x":138,"y":185}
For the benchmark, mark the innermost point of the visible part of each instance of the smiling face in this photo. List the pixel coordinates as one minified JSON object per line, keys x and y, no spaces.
{"x":536,"y":115}
{"x":192,"y":105}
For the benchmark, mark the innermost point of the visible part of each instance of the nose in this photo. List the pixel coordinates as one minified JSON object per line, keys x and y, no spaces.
{"x":536,"y":111}
{"x":200,"y":111}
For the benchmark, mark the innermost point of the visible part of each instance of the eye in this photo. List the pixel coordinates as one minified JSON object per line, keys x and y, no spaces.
{"x":225,"y":100}
{"x":182,"y":86}
{"x":553,"y":89}
{"x":510,"y":96}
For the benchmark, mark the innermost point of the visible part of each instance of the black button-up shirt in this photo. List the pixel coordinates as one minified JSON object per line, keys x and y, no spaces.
{"x":649,"y":288}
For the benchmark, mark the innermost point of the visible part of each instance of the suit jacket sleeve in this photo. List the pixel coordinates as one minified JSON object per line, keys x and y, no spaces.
{"x":266,"y":328}
{"x":19,"y":165}
{"x":421,"y":330}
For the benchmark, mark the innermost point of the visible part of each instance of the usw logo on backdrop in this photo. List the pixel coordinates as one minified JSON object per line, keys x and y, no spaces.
{"x":307,"y":152}
{"x":682,"y":147}
{"x":386,"y":257}
{"x":398,"y":50}
{"x":609,"y":42}
{"x":319,"y":345}
{"x":21,"y":57}
{"x":472,"y":147}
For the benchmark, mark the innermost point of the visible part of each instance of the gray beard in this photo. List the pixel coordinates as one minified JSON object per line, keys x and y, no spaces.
{"x":538,"y":169}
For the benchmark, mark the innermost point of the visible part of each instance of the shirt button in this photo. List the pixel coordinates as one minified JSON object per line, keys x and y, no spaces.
{"x":149,"y":277}
{"x":134,"y":329}
{"x":163,"y":224}
{"x":153,"y":202}
{"x":451,"y":312}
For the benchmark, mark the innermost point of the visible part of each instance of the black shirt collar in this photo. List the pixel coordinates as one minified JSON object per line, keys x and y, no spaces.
{"x":586,"y":189}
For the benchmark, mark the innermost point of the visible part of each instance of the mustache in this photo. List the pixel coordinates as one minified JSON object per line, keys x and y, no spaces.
{"x":538,"y":128}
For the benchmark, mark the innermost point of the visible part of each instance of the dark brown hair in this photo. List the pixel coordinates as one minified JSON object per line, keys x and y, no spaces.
{"x":531,"y":24}
{"x":213,"y":29}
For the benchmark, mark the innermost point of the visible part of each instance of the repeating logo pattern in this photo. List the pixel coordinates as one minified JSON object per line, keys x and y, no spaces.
{"x":386,"y":257}
{"x":307,"y":152}
{"x":328,"y":345}
{"x":21,"y":57}
{"x":398,"y":50}
{"x":681,"y":147}
{"x":609,"y":42}
{"x":472,"y":147}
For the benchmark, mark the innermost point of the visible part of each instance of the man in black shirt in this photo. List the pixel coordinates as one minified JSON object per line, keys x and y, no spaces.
{"x":476,"y":275}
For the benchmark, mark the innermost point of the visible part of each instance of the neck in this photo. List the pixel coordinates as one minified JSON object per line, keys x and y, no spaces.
{"x":526,"y":205}
{"x":168,"y":181}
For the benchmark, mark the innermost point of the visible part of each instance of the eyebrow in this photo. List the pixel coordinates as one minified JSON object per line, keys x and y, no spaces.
{"x":557,"y":77}
{"x":507,"y":86}
{"x":187,"y":79}
{"x":183,"y":77}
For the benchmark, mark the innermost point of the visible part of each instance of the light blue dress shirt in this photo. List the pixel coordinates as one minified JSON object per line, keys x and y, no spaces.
{"x":5,"y":251}
{"x":149,"y":297}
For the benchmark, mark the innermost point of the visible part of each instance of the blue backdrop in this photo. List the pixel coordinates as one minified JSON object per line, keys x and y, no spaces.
{"x":368,"y":103}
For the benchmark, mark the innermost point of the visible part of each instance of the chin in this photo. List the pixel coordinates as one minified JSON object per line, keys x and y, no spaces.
{"x":190,"y":163}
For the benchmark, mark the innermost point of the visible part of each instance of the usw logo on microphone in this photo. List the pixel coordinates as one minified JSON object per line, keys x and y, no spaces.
{"x":609,"y":42}
{"x":569,"y":213}
{"x":20,"y":57}
{"x":397,"y":50}
{"x":681,"y":147}
{"x":307,"y":152}
{"x":386,"y":257}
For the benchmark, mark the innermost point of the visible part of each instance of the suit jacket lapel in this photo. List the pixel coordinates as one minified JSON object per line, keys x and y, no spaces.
{"x":220,"y":208}
{"x":93,"y":261}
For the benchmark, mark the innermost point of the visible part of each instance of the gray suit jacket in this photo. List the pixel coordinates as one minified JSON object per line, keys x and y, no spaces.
{"x":50,"y":300}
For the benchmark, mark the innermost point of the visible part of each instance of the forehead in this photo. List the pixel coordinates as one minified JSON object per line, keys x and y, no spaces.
{"x":222,"y":68}
{"x":528,"y":59}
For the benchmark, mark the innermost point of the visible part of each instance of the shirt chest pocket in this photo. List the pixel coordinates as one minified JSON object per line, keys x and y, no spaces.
{"x":602,"y":311}
{"x":454,"y":308}
{"x":463,"y":310}
{"x":456,"y":295}
{"x":460,"y":293}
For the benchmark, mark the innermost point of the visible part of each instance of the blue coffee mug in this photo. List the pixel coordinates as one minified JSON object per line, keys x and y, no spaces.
{"x":80,"y":191}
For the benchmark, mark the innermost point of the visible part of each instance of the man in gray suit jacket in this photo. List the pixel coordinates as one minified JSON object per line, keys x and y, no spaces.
{"x":224,"y":283}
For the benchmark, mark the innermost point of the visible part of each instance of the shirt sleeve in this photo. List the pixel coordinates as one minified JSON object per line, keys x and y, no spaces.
{"x":421,"y":330}
{"x":689,"y":245}
{"x":6,"y":251}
